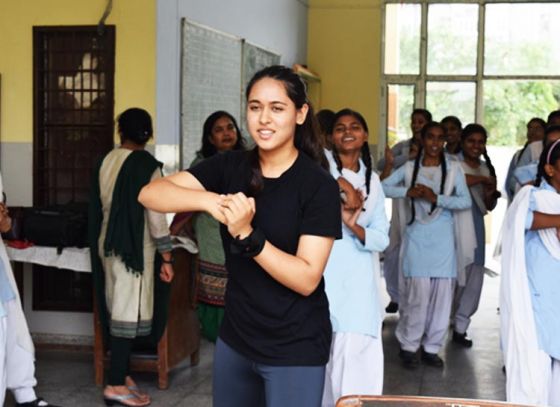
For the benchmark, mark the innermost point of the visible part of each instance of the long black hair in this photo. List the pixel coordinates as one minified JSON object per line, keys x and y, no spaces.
{"x":208,"y":149}
{"x":443,"y":164}
{"x":477,"y":128}
{"x":307,"y":138}
{"x":366,"y":155}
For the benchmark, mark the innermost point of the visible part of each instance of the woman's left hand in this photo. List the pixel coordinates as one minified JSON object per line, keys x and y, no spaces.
{"x":350,"y":217}
{"x":239,"y":211}
{"x":166,"y":272}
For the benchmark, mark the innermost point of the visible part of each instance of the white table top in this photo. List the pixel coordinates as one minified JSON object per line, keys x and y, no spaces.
{"x":71,"y":258}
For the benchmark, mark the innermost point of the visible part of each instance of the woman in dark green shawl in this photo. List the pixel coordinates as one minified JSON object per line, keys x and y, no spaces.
{"x":124,"y":240}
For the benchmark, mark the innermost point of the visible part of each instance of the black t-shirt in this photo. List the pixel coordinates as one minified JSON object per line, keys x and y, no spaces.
{"x":264,"y":320}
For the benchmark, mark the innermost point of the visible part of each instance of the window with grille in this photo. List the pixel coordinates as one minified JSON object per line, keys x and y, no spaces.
{"x":73,"y":127}
{"x":487,"y":61}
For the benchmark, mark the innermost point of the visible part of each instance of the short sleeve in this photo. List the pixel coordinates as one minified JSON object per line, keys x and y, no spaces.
{"x":211,"y":172}
{"x":530,"y":212}
{"x":321,"y":213}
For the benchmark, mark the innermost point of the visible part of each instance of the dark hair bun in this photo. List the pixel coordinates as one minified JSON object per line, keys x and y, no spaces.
{"x":135,"y":124}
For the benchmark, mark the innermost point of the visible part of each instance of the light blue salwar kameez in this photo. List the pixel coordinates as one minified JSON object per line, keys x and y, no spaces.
{"x":352,"y":279}
{"x":428,"y":255}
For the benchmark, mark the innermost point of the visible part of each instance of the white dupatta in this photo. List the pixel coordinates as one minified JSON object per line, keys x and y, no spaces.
{"x":465,"y":238}
{"x":527,"y":366}
{"x":23,"y":337}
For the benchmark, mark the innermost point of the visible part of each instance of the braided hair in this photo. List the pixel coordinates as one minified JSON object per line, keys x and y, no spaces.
{"x":416,"y":169}
{"x":307,"y":138}
{"x":365,"y":153}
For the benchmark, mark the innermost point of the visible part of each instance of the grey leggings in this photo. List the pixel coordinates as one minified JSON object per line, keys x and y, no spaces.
{"x":238,"y":381}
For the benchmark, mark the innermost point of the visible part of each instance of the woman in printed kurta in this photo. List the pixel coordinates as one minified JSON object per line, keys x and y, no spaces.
{"x":530,"y":288}
{"x":352,"y":274}
{"x":220,"y":133}
{"x":429,"y":257}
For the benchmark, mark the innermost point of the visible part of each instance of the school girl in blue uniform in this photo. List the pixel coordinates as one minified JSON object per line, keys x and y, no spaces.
{"x":435,"y":188}
{"x":530,"y":288}
{"x":481,"y":180}
{"x":352,"y":275}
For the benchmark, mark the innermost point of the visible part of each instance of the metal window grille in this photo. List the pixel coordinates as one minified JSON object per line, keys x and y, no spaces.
{"x":73,"y":90}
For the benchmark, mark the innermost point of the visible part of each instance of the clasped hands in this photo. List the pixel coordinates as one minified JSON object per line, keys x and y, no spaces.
{"x":352,"y":206}
{"x":421,"y":191}
{"x":236,"y":211}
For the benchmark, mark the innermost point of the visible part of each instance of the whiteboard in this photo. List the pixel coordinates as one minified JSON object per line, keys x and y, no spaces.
{"x":215,"y":70}
{"x":211,"y":76}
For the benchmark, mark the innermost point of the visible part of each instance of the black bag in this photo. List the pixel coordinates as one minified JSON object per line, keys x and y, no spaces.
{"x":17,"y":214}
{"x":57,"y":226}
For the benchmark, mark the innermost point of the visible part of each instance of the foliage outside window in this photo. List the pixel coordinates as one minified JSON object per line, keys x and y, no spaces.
{"x":484,"y":61}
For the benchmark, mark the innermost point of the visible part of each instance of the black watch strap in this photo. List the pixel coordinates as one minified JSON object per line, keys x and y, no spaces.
{"x":250,"y":246}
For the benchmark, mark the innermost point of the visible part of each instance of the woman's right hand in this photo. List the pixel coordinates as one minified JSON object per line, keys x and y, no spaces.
{"x":353,"y":197}
{"x":166,"y":272}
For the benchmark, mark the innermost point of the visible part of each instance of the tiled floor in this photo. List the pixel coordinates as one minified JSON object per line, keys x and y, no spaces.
{"x":66,"y":378}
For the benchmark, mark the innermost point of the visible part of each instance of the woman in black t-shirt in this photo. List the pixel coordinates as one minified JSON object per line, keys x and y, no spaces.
{"x":280,"y":213}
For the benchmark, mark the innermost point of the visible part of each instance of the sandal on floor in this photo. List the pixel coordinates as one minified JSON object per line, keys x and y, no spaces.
{"x":138,"y":393}
{"x":119,"y":400}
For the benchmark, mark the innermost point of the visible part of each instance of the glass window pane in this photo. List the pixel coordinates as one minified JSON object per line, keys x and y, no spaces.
{"x":402,"y":38}
{"x":400,"y":102}
{"x":521,"y":39}
{"x":452,"y":39}
{"x":509,"y":105}
{"x":451,"y":99}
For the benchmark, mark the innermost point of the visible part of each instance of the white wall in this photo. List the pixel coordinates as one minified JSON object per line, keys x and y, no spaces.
{"x":277,"y":25}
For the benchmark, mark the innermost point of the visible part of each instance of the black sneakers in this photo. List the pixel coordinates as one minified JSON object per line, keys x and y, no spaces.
{"x":392,"y":308}
{"x":462,"y":339}
{"x":431,"y":359}
{"x":409,"y":359}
